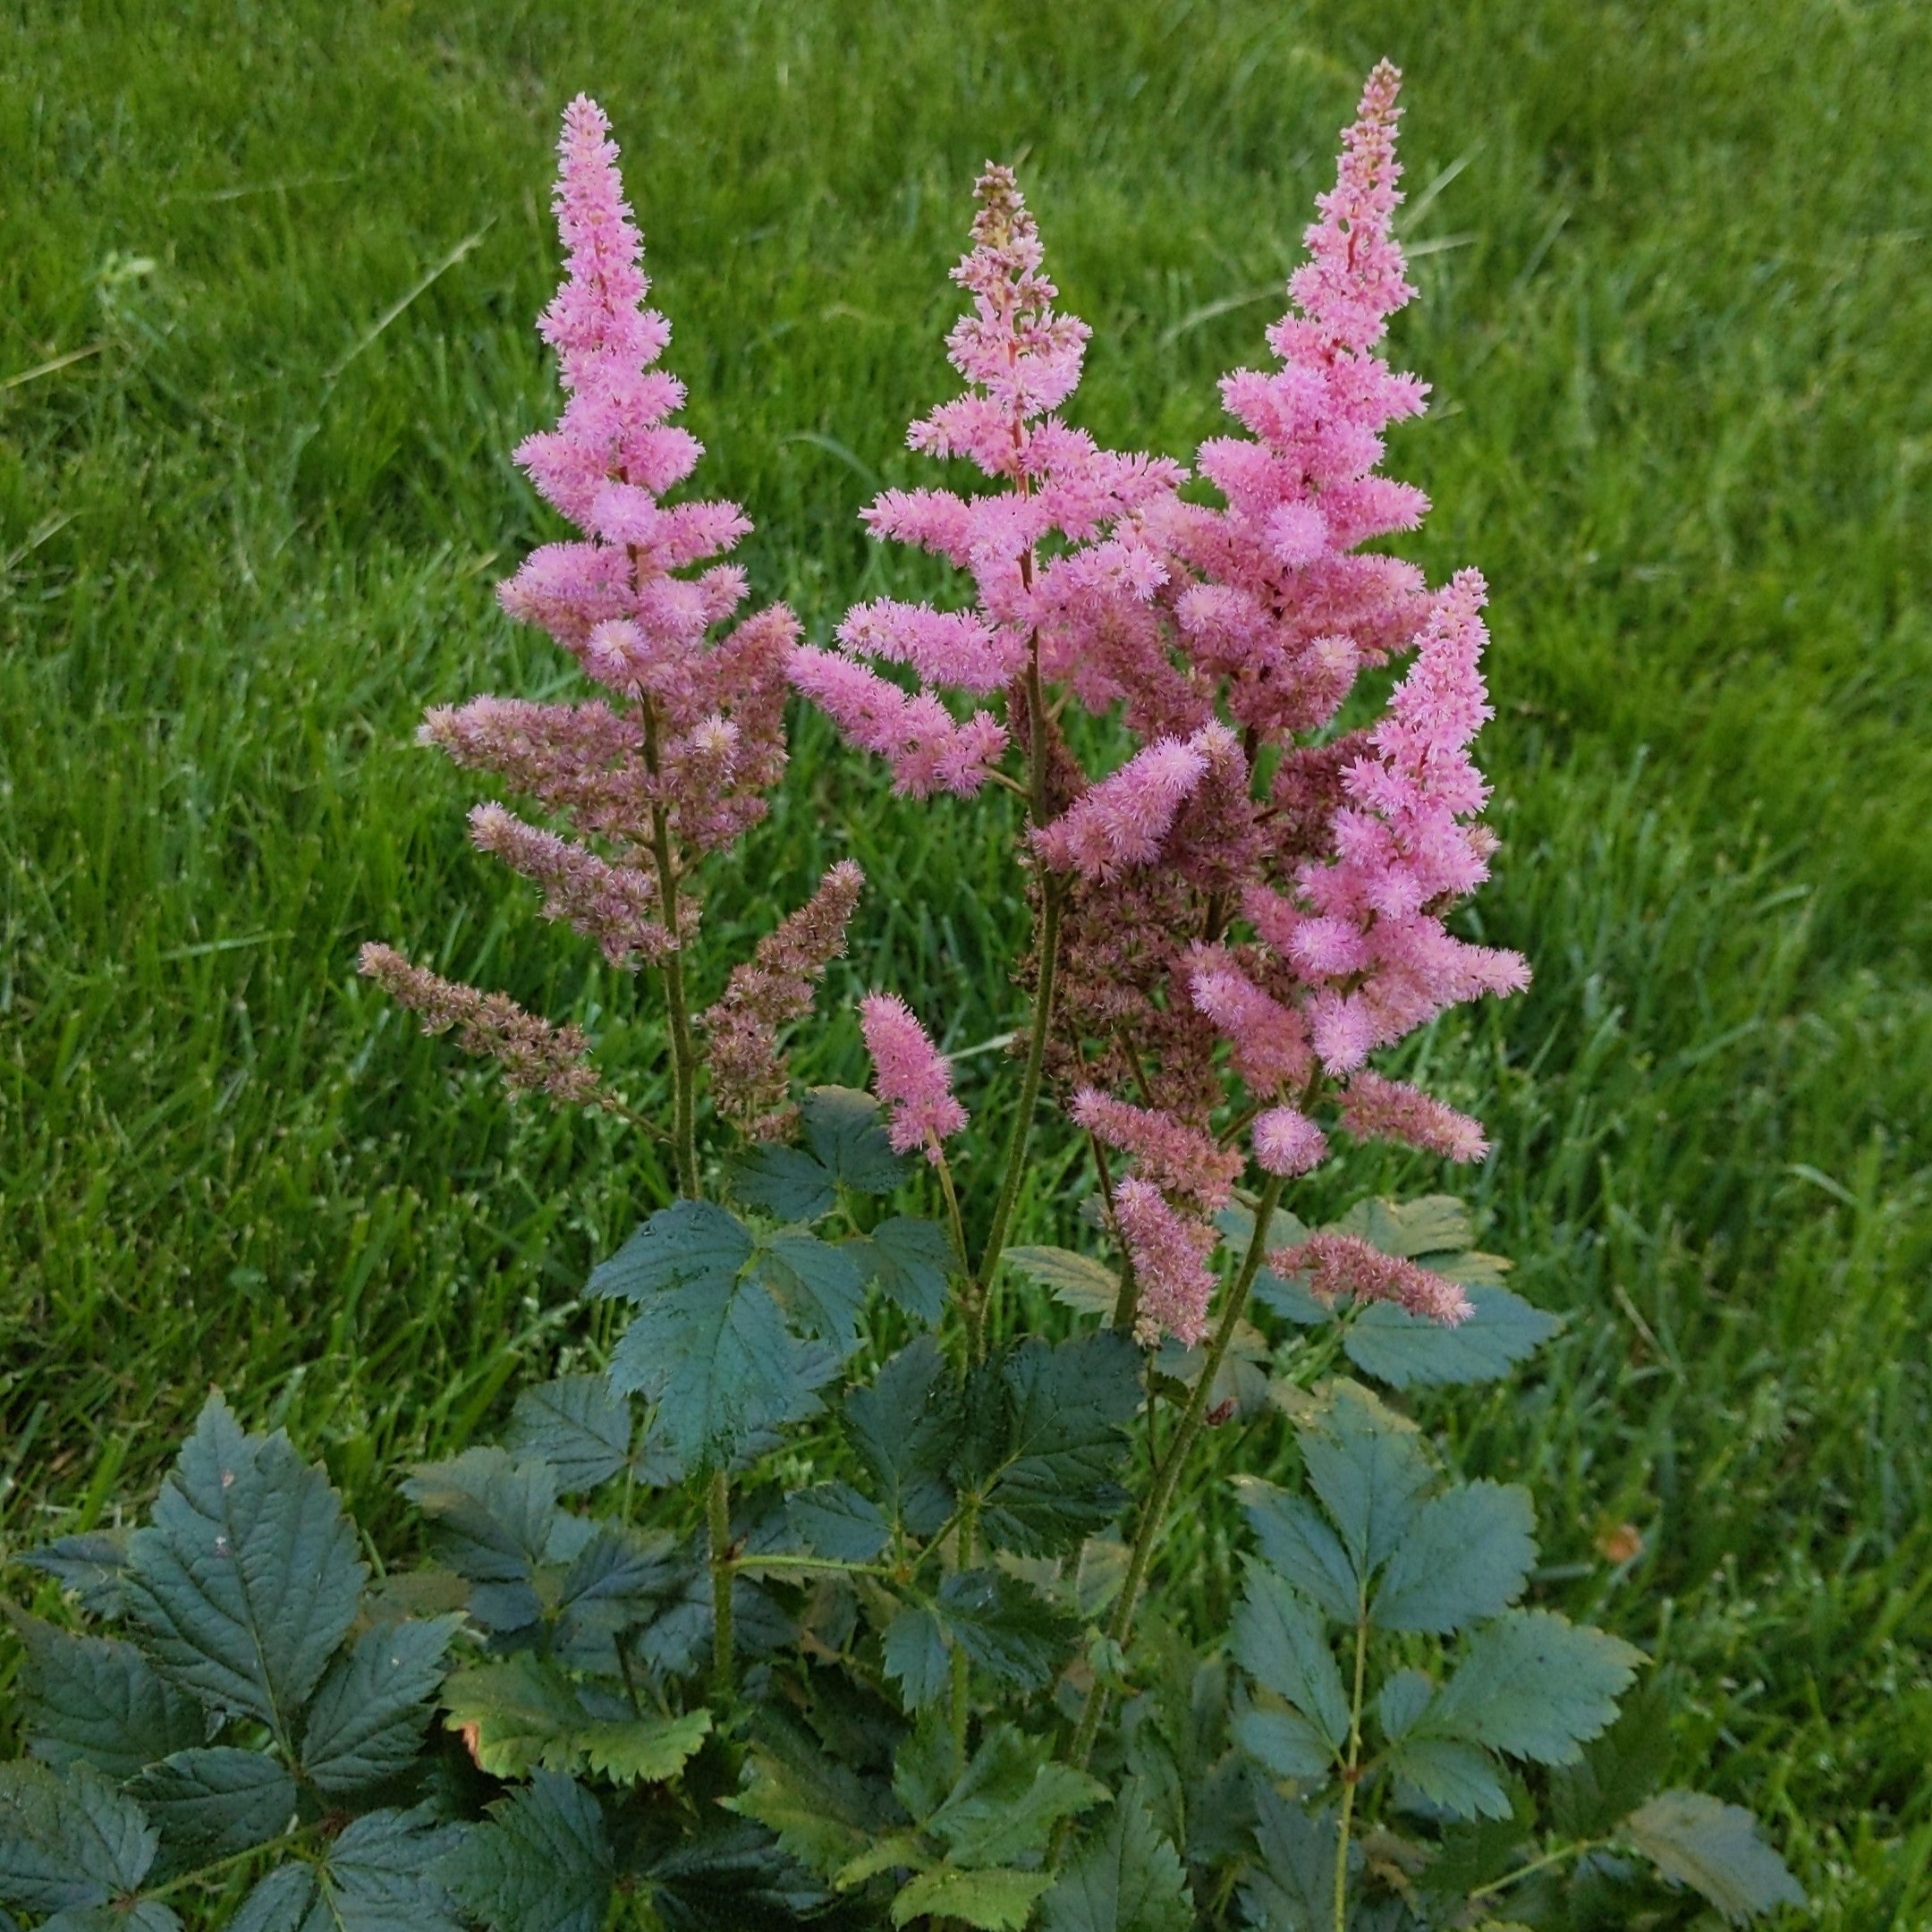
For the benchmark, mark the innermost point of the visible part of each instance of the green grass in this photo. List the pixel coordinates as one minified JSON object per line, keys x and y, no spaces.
{"x":1676,"y":316}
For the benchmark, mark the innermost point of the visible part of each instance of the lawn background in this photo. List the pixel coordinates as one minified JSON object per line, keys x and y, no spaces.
{"x":266,"y":280}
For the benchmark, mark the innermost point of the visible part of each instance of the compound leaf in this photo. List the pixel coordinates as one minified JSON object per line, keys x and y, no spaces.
{"x":1126,"y":1878}
{"x":692,"y":1243}
{"x":97,"y":1700}
{"x":496,"y":1515}
{"x":834,"y":1520}
{"x":822,"y":1286}
{"x":69,"y":1842}
{"x":542,"y":1861}
{"x":1534,"y":1685}
{"x":905,"y":1426}
{"x":380,"y":1875}
{"x":1287,"y":1743}
{"x":643,"y":1751}
{"x":1049,"y":1479}
{"x":1617,"y":1771}
{"x":616,"y":1583}
{"x":993,"y":1901}
{"x":1466,"y":1557}
{"x":910,"y":1258}
{"x":844,"y":1130}
{"x":1003,"y":1627}
{"x":210,"y":1803}
{"x":1293,"y":1890}
{"x":368,"y":1719}
{"x":515,"y":1716}
{"x":1369,"y":1469}
{"x":247,"y":1578}
{"x":1278,"y":1639}
{"x":1006,"y":1804}
{"x":580,"y":1425}
{"x":1714,"y":1848}
{"x":1404,"y":1350}
{"x":915,"y":1652}
{"x":823,"y":1815}
{"x":1079,"y":1280}
{"x":1297,"y":1541}
{"x":1462,"y":1778}
{"x":787,"y":1181}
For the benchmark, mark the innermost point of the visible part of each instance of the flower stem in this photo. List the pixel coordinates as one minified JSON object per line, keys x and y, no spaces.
{"x":717,"y":1520}
{"x":683,"y":1056}
{"x":1167,"y":1472}
{"x":1352,"y":1772}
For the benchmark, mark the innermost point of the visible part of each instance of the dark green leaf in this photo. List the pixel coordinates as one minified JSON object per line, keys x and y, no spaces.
{"x":516,"y":1714}
{"x":1535,"y":1685}
{"x":1006,"y":1802}
{"x":711,"y":1348}
{"x":784,"y":1181}
{"x":1293,"y":1888}
{"x":1044,"y":1475}
{"x":912,"y":1260}
{"x":691,"y":1244}
{"x":289,"y":1899}
{"x":1402,"y":1701}
{"x":1405,"y":1350}
{"x":1126,"y":1877}
{"x":496,"y":1516}
{"x":1368,"y":1467}
{"x":579,"y":1424}
{"x":1078,"y":1281}
{"x":834,"y":1520}
{"x":616,"y":1583}
{"x":906,"y":1426}
{"x":380,"y":1875}
{"x":1278,"y":1640}
{"x":1285,"y":1743}
{"x":1466,"y":1557}
{"x":92,"y":1565}
{"x":1431,"y":1223}
{"x":97,"y":1700}
{"x":730,"y":1881}
{"x":1616,"y":1771}
{"x":247,"y":1580}
{"x":993,"y":1901}
{"x":915,"y":1652}
{"x":1480,"y":1852}
{"x":643,"y":1751}
{"x":824,"y":1815}
{"x":1715,"y":1849}
{"x":211,"y":1803}
{"x":1462,"y":1778}
{"x":69,"y":1842}
{"x":542,"y":1862}
{"x":1003,"y":1627}
{"x":821,"y":1286}
{"x":367,"y":1721}
{"x":1296,"y":1540}
{"x":843,"y":1128}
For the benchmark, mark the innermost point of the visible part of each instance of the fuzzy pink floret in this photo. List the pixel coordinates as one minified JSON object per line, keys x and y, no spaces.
{"x":1286,"y":1141}
{"x":1377,"y":1109}
{"x":1344,"y":1268}
{"x":1169,"y":1252}
{"x":1122,"y":820}
{"x":1177,"y":1158}
{"x":910,"y":1075}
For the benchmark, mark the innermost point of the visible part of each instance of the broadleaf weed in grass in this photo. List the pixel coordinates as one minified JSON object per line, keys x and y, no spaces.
{"x":736,"y":1682}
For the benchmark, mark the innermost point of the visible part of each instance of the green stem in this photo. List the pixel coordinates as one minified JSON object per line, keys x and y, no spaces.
{"x":969,"y":1526}
{"x":683,"y":1056}
{"x":718,"y":1519}
{"x":1127,"y":1303}
{"x":201,"y":1873}
{"x":1536,"y":1865}
{"x":1168,"y":1474}
{"x":1352,"y":1771}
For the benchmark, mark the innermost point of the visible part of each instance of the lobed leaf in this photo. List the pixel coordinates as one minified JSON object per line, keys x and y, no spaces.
{"x":993,"y":1901}
{"x":69,"y":1842}
{"x":1714,"y":1848}
{"x":1078,"y":1281}
{"x":691,"y":1244}
{"x":643,"y":1751}
{"x":515,"y":1716}
{"x":1466,"y":1557}
{"x":211,"y":1802}
{"x":1298,"y":1542}
{"x":380,"y":1875}
{"x":367,"y":1718}
{"x":1534,"y":1685}
{"x":542,"y":1862}
{"x":906,"y":1428}
{"x":1126,"y":1878}
{"x":846,"y":1131}
{"x":822,"y":1287}
{"x":834,"y":1520}
{"x":916,"y":1655}
{"x":1279,"y":1641}
{"x":1367,"y":1466}
{"x":912,"y":1260}
{"x":92,"y":1565}
{"x":787,"y":1181}
{"x":1293,"y":1888}
{"x":1003,"y":1627}
{"x":98,"y":1701}
{"x":1408,"y":1350}
{"x":580,"y":1425}
{"x":823,"y":1814}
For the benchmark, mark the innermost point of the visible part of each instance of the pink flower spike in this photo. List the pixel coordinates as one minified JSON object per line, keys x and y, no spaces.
{"x":1122,"y":820}
{"x":1286,"y":1141}
{"x":1377,"y":1109}
{"x":1177,"y":1158}
{"x":1169,"y":1252}
{"x":1346,"y":1267}
{"x":910,"y":1075}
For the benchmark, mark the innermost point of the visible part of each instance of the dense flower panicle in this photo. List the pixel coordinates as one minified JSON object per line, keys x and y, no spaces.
{"x":536,"y":1057}
{"x":1269,"y":1040}
{"x":1344,"y":1268}
{"x":1169,"y":1252}
{"x":1078,"y":609}
{"x":1177,"y":1158}
{"x":1377,"y":1109}
{"x":750,"y":1077}
{"x":1286,"y":1141}
{"x":1124,"y":819}
{"x":615,"y":904}
{"x":910,"y":1075}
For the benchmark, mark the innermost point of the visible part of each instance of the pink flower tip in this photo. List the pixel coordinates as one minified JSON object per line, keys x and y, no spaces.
{"x":910,"y":1075}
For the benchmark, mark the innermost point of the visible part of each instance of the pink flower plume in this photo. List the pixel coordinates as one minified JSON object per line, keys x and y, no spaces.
{"x":1346,"y":1267}
{"x":1169,"y":1252}
{"x":1177,"y":1158}
{"x":1377,"y":1109}
{"x":910,"y":1075}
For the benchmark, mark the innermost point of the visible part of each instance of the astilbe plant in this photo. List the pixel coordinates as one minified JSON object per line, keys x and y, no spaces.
{"x":851,"y":1622}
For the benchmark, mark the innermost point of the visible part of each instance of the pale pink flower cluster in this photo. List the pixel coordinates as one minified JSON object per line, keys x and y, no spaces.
{"x":1249,"y":893}
{"x":1177,"y":1158}
{"x":1344,"y":1268}
{"x":910,"y":1075}
{"x":535,"y":1055}
{"x":1169,"y":1252}
{"x":1020,"y":359}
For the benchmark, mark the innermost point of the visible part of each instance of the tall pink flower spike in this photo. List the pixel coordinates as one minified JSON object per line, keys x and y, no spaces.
{"x":910,"y":1075}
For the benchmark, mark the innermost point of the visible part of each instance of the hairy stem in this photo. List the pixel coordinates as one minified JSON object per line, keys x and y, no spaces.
{"x":683,"y":1056}
{"x":1167,"y":1472}
{"x":718,"y":1522}
{"x":1352,"y":1771}
{"x":1127,"y":1303}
